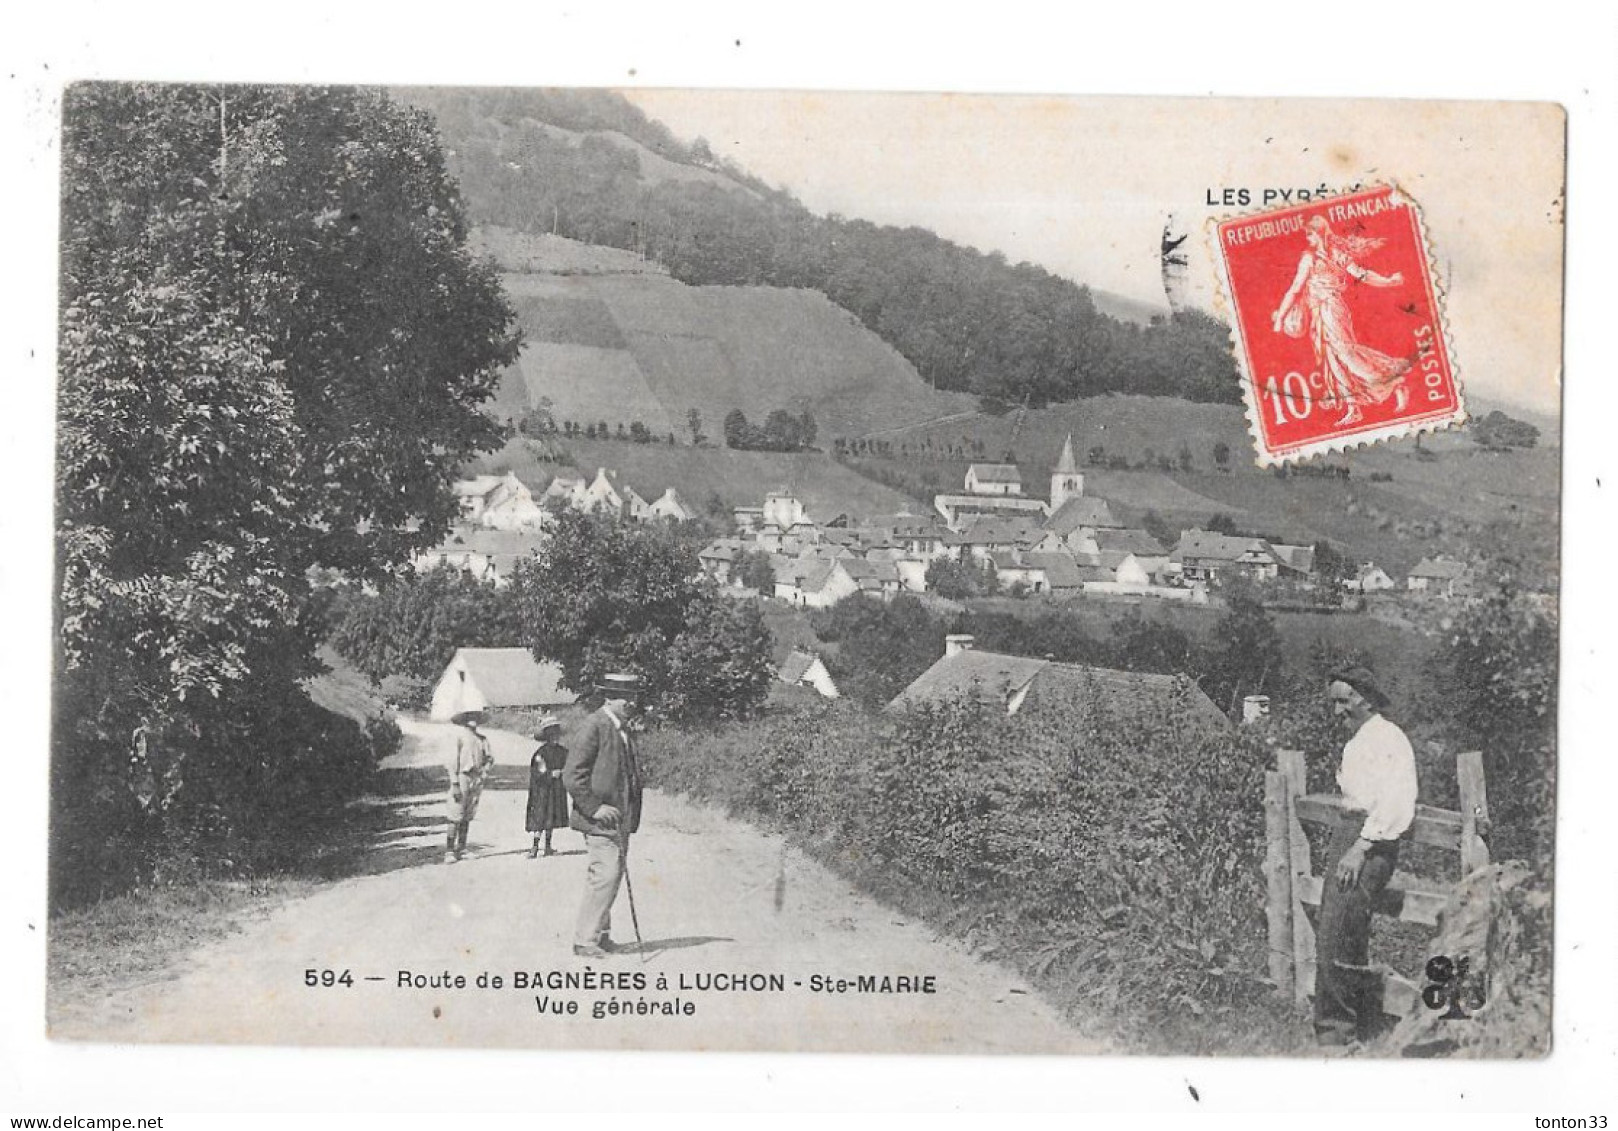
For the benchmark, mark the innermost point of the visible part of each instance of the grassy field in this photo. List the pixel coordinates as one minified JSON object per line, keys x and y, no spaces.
{"x":636,"y":345}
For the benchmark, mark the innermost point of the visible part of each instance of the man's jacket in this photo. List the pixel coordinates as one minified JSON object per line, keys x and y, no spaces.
{"x":601,"y":770}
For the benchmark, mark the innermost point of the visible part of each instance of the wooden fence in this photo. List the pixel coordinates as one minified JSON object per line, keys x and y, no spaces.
{"x":1293,"y":886}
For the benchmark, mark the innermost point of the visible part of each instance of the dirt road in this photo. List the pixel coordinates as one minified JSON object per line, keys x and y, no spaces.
{"x":722,"y":968}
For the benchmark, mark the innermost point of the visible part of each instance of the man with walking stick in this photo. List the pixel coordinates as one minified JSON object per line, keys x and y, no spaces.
{"x":603,"y":778}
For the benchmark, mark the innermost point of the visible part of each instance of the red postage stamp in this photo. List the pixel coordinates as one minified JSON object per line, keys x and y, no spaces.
{"x":1339,"y":326}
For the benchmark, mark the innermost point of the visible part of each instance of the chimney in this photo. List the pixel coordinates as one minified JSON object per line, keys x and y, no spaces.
{"x":956,"y":643}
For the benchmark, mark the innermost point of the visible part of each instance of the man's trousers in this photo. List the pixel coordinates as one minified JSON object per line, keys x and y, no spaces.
{"x":601,"y":879}
{"x":1348,"y":1003}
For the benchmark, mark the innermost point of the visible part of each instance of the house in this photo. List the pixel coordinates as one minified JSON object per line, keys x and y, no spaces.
{"x":993,"y":479}
{"x":814,"y":583}
{"x":719,"y":558}
{"x":488,"y":555}
{"x":783,"y":509}
{"x":959,"y":509}
{"x":989,"y":535}
{"x":805,"y":669}
{"x":474,"y":494}
{"x":1371,"y":578}
{"x":747,"y":519}
{"x":1077,"y":523}
{"x":881,"y":578}
{"x":1297,"y":562}
{"x":1016,"y":683}
{"x":1062,"y":576}
{"x":480,"y":678}
{"x":1440,"y":577}
{"x":1205,"y":555}
{"x":669,"y":506}
{"x":1012,"y":570}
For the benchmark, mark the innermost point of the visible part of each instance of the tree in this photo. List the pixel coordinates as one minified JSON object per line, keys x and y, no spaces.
{"x":693,"y":421}
{"x":754,"y":571}
{"x":1494,"y":686}
{"x":274,"y":344}
{"x":1498,"y":432}
{"x":738,"y":432}
{"x":1246,"y":656}
{"x":1221,"y":455}
{"x":1222,"y":524}
{"x":882,"y":645}
{"x":958,"y":580}
{"x":413,"y":626}
{"x":603,"y":596}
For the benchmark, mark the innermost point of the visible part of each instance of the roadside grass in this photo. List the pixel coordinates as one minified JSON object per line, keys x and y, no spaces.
{"x":141,"y":936}
{"x":144,"y":934}
{"x":1261,"y":1025}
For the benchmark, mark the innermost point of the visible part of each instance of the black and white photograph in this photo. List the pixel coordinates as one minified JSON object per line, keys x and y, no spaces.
{"x":657,"y":568}
{"x":577,"y":563}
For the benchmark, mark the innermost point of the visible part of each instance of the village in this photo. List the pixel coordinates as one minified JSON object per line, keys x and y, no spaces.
{"x":992,"y":538}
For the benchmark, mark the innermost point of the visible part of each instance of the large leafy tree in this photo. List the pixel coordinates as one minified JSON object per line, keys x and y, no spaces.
{"x":274,"y":342}
{"x":604,"y":595}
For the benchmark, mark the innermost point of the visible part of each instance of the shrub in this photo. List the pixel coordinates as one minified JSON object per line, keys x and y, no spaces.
{"x":1115,"y":854}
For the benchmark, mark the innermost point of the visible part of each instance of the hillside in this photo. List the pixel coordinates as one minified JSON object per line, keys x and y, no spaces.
{"x":698,"y":474}
{"x":591,"y":166}
{"x":1449,"y":496}
{"x":625,"y":346}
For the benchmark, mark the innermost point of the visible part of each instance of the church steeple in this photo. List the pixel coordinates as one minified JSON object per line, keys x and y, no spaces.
{"x":1067,"y":465}
{"x":1067,"y":482}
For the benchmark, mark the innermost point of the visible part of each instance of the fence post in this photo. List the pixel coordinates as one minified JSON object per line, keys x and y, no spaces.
{"x":1278,"y":881}
{"x":1293,"y":769}
{"x":1474,"y":811}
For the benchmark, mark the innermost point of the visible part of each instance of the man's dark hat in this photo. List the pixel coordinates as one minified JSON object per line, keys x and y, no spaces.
{"x":1360,"y":679}
{"x":619,"y":685}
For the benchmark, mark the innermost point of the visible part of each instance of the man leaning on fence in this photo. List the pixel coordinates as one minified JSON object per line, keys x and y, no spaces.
{"x":1378,"y":779}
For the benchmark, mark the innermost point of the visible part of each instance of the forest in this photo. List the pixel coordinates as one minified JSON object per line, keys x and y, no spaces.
{"x":575,"y":163}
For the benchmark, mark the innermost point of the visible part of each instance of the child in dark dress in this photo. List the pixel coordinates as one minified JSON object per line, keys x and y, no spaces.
{"x":547,"y":797}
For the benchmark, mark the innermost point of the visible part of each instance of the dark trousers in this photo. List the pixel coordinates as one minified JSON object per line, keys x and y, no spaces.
{"x":1348,"y":1003}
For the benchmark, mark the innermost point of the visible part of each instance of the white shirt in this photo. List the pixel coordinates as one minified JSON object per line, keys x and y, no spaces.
{"x":1378,"y":777}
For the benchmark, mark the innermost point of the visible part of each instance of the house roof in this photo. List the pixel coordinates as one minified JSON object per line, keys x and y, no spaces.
{"x":483,"y":540}
{"x":994,"y":677}
{"x":861,"y":569}
{"x":796,"y":667}
{"x":988,"y":677}
{"x":1114,"y":689}
{"x":1061,"y":571}
{"x":1129,"y":541}
{"x":1299,"y":558}
{"x":995,"y":472}
{"x":1219,"y":547}
{"x":721,"y":549}
{"x":988,"y":530}
{"x":1079,"y":512}
{"x":511,"y":677}
{"x":478,"y":485}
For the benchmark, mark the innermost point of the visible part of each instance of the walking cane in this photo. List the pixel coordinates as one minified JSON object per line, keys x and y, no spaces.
{"x":629,"y":887}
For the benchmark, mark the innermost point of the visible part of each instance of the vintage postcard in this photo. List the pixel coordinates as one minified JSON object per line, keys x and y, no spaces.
{"x":701,"y":570}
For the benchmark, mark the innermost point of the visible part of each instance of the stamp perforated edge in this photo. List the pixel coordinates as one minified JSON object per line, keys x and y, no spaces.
{"x":1225,"y":307}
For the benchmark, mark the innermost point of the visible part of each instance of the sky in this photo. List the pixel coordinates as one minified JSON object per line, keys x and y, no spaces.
{"x":1085,"y":187}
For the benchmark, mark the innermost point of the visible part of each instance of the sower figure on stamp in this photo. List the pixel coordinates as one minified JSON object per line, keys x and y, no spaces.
{"x":547,"y":796}
{"x":1378,"y":778}
{"x":468,"y":766}
{"x":603,"y":779}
